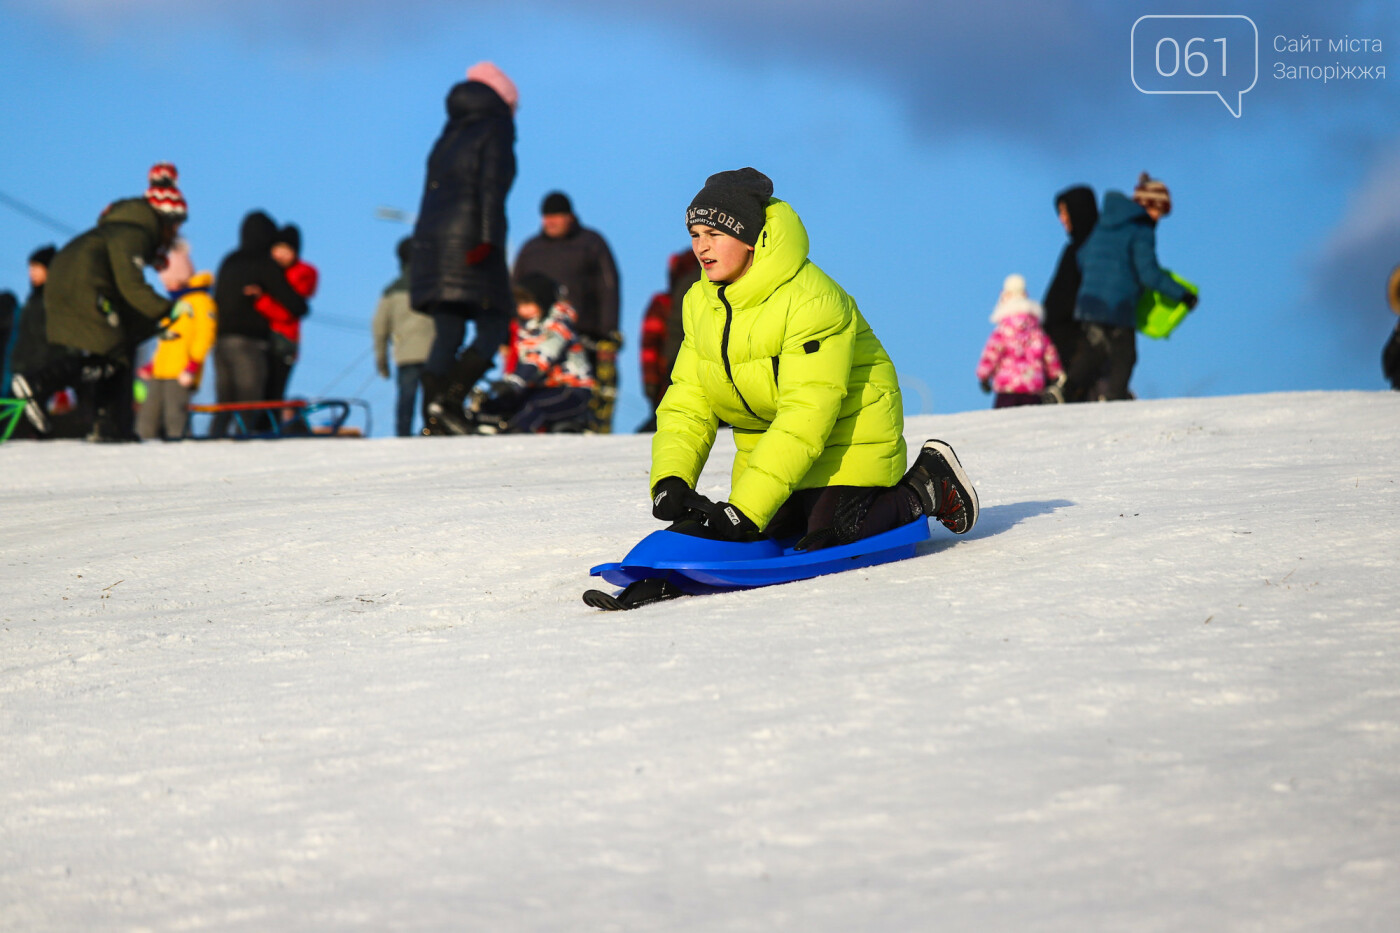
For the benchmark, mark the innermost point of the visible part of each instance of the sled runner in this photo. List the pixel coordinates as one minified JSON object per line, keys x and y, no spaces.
{"x":290,"y":418}
{"x":690,"y":565}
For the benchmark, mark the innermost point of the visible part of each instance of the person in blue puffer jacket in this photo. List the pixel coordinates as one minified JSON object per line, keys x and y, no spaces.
{"x":1118,"y":263}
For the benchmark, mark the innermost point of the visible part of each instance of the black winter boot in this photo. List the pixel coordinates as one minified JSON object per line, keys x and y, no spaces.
{"x":943,"y":488}
{"x":34,"y":397}
{"x":432,"y":388}
{"x":37,"y":386}
{"x":445,"y":407}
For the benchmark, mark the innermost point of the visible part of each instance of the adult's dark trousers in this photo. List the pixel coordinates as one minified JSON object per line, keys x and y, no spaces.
{"x":406,"y":404}
{"x":1106,"y":352}
{"x":281,"y":357}
{"x":113,"y":397}
{"x":1390,"y":358}
{"x":240,"y":375}
{"x":450,"y":319}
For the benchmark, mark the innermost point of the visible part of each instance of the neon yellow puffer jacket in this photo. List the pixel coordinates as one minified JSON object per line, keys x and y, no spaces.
{"x":785,"y":357}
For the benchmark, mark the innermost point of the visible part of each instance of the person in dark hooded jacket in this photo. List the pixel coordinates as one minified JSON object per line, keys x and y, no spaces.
{"x":459,"y":243}
{"x":99,"y":306}
{"x":1079,"y":212}
{"x":29,"y":349}
{"x":241,"y":352}
{"x":1390,"y":354}
{"x":1118,"y":263}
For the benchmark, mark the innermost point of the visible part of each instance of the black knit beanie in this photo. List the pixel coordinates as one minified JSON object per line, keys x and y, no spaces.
{"x":539,"y":288}
{"x":43,"y":256}
{"x":290,"y":235}
{"x":556,"y":202}
{"x":733,"y":202}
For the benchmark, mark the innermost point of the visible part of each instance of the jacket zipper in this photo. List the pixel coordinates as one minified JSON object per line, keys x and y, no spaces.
{"x":724,"y":350}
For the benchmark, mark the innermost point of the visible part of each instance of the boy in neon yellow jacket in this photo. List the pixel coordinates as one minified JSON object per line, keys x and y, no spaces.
{"x":777,"y":349}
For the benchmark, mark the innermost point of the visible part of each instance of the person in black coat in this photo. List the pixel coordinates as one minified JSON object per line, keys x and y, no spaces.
{"x":1390,"y":356}
{"x":1079,"y":212}
{"x":8,"y":321}
{"x":30,"y":350}
{"x":459,"y":242}
{"x":241,"y":350}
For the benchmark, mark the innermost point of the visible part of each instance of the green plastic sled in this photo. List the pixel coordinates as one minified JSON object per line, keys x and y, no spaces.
{"x":1158,"y":315}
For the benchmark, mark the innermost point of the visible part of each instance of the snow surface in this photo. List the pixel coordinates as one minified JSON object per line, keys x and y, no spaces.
{"x":349,"y":684}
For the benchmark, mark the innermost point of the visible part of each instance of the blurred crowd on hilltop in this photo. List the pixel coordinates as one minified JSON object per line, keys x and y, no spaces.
{"x":96,"y":350}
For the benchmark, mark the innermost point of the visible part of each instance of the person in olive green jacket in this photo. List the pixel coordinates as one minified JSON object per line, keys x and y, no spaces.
{"x":100,"y":306}
{"x":777,"y":349}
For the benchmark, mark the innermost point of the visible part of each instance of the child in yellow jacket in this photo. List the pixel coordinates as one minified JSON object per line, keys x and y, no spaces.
{"x":174,"y":373}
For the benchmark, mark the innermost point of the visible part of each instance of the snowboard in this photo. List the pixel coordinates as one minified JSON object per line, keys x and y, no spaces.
{"x":1158,"y":315}
{"x":666,"y":564}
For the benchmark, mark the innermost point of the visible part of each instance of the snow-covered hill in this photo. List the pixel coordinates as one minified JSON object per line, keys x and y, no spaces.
{"x":334,"y":685}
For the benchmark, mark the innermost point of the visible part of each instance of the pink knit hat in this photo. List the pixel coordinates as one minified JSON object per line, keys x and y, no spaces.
{"x":494,"y":78}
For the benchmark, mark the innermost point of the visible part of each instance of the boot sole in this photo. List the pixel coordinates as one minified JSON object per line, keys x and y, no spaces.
{"x":965,"y":490}
{"x":33,"y":408}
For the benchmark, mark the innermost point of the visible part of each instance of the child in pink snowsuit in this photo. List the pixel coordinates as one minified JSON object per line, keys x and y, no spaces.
{"x":1019,"y":361}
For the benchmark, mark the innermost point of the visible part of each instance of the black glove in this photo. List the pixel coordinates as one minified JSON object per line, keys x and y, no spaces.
{"x":986,"y":386}
{"x":727,"y":523}
{"x":1190,"y":301}
{"x":672,"y":500}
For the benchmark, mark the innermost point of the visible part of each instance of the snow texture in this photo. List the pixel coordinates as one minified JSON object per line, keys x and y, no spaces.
{"x":350,"y":685}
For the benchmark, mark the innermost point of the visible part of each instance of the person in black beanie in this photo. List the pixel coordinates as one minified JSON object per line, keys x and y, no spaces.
{"x":580,"y":261}
{"x":778,"y":350}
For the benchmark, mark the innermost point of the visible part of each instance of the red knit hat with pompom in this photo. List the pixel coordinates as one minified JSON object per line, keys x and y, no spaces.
{"x":163,"y":195}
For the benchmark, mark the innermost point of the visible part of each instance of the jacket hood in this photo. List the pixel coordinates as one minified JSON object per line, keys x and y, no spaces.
{"x":1083,"y":211}
{"x":472,"y":100}
{"x":780,"y":252}
{"x":199,"y":282}
{"x":134,"y":211}
{"x":1119,"y":210}
{"x":1019,"y":306}
{"x":257,"y":233}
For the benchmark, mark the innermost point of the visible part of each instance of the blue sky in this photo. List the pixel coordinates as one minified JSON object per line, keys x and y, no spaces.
{"x":921,"y":142}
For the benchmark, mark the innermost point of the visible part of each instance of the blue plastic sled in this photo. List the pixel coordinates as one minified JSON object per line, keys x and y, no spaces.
{"x":699,"y":565}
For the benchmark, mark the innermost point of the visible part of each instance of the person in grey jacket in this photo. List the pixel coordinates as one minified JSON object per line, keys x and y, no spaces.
{"x":1118,"y":262}
{"x":411,"y":332}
